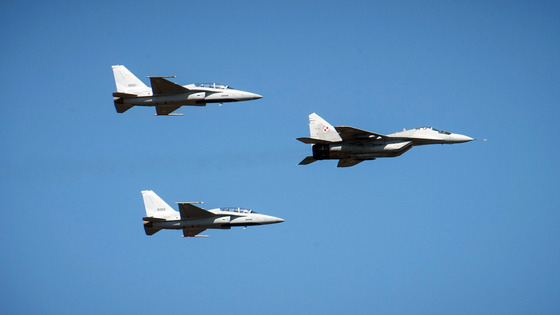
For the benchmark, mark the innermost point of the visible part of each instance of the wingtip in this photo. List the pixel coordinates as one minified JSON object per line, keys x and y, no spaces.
{"x":307,"y":160}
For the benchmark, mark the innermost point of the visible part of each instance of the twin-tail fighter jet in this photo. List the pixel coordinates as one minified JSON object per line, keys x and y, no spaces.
{"x":351,"y":146}
{"x":168,"y":96}
{"x":194,"y":220}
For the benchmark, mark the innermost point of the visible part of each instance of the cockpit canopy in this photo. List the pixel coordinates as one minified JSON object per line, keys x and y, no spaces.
{"x":237,"y":210}
{"x":214,"y":86}
{"x":434,"y":129}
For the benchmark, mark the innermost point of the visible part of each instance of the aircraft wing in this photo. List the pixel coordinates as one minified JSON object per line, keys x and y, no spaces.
{"x":166,"y":109}
{"x":189,"y":232}
{"x":351,"y":133}
{"x":163,"y":86}
{"x":190,"y":211}
{"x":348,"y":162}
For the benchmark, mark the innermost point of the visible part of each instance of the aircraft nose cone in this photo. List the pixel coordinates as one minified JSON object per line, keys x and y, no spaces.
{"x":462,"y":138}
{"x":275,"y":220}
{"x":255,"y":96}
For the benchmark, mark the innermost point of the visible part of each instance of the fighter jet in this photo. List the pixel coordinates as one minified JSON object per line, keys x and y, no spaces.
{"x":168,"y":96}
{"x":351,"y":146}
{"x":194,"y":220}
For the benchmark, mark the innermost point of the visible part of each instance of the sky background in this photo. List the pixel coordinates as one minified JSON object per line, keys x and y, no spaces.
{"x":469,"y":228}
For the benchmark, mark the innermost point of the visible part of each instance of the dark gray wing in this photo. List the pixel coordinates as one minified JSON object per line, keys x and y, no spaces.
{"x":189,"y":211}
{"x":163,"y":86}
{"x":351,"y":133}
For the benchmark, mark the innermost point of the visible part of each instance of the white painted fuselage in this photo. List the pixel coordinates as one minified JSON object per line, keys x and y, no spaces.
{"x":193,"y":219}
{"x":350,"y":145}
{"x":168,"y":96}
{"x":221,"y":220}
{"x":393,"y":145}
{"x":197,"y":96}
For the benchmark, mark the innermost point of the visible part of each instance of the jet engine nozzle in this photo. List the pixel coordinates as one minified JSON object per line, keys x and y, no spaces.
{"x":321,"y":151}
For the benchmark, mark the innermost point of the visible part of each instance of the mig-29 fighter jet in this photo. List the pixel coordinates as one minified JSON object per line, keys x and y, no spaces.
{"x":168,"y":96}
{"x":194,"y":220}
{"x":351,"y":146}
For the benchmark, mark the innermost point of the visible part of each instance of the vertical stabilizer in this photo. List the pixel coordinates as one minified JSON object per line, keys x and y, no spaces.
{"x":321,"y":129}
{"x":156,"y":207}
{"x":128,"y":83}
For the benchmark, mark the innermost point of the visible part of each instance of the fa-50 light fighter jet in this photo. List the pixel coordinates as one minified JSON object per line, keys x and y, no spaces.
{"x":351,"y":145}
{"x":168,"y":96}
{"x":194,"y":220}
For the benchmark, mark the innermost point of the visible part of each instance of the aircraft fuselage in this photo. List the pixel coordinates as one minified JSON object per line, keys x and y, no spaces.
{"x":216,"y":222}
{"x":168,"y":96}
{"x":351,"y":145}
{"x":372,"y":149}
{"x":194,"y":98}
{"x":362,"y":151}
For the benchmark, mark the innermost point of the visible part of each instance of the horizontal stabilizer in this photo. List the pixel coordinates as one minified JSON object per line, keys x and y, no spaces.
{"x":351,"y":133}
{"x":307,"y":160}
{"x":124,"y":95}
{"x":163,"y":86}
{"x":152,"y":219}
{"x":314,"y":140}
{"x":149,"y":226}
{"x":150,"y":230}
{"x":348,"y":162}
{"x":190,"y":211}
{"x":121,"y":108}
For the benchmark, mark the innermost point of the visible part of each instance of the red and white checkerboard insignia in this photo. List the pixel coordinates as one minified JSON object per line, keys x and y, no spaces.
{"x":326,"y":128}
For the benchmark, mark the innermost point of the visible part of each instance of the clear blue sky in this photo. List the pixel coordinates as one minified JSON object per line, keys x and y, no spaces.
{"x":463,"y":229}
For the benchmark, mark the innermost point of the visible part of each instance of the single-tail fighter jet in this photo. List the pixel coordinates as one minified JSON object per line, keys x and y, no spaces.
{"x":168,"y":96}
{"x":351,"y":146}
{"x":194,"y":220}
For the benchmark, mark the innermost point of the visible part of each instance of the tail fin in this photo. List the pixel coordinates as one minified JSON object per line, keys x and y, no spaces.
{"x":128,"y":86}
{"x":156,"y":207}
{"x":127,"y":82}
{"x":320,"y":129}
